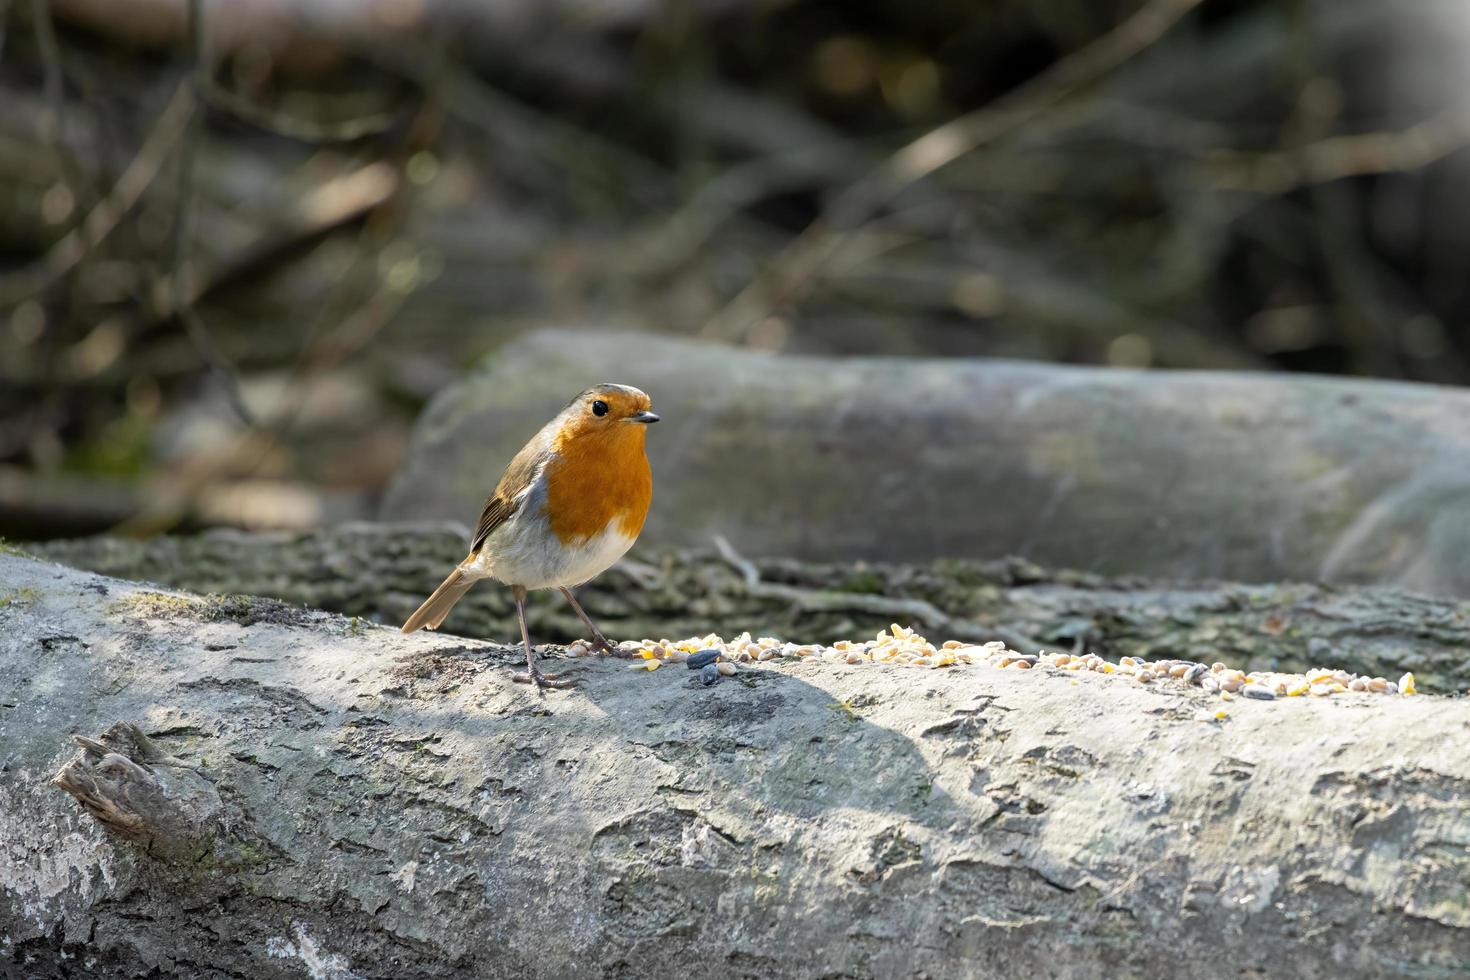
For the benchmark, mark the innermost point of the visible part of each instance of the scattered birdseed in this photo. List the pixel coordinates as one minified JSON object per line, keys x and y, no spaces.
{"x":709,"y":674}
{"x":901,"y":646}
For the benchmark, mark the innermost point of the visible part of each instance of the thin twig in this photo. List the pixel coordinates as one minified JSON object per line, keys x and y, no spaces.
{"x":788,"y":276}
{"x":365,"y":191}
{"x":346,"y":131}
{"x":53,"y":83}
{"x":76,"y":244}
{"x":180,"y":280}
{"x":4,"y":24}
{"x":676,"y":238}
{"x":744,"y":566}
{"x":824,"y":600}
{"x":1337,"y":157}
{"x":53,"y":120}
{"x":954,"y":139}
{"x":537,"y":145}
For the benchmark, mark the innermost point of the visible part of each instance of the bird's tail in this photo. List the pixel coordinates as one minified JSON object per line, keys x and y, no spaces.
{"x":437,"y":606}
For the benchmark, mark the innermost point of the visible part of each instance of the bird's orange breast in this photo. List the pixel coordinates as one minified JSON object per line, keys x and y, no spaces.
{"x":594,"y":481}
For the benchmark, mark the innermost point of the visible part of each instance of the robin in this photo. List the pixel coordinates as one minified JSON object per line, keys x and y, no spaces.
{"x":570,"y":503}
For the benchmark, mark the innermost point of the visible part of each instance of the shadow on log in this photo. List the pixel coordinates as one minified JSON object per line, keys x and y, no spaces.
{"x":402,"y":809}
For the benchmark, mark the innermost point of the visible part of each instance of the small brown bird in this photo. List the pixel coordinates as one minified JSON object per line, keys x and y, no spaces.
{"x":570,"y":503}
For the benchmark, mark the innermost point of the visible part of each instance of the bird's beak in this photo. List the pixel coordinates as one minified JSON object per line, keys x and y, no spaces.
{"x":644,"y":417}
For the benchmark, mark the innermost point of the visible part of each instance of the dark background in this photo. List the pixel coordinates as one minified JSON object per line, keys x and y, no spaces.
{"x":235,"y":263}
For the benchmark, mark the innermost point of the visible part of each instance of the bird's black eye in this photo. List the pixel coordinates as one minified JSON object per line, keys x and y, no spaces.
{"x":599,"y":408}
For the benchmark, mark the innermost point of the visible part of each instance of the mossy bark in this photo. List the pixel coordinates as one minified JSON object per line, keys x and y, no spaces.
{"x":381,"y":572}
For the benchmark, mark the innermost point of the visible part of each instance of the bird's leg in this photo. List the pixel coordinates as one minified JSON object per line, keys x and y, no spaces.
{"x":533,"y":673}
{"x":599,"y":642}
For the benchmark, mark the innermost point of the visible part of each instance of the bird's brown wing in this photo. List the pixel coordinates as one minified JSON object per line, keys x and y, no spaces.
{"x":501,"y":505}
{"x":497,"y":511}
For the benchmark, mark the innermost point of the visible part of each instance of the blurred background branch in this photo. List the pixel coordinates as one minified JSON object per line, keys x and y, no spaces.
{"x":180,"y":275}
{"x":371,"y":197}
{"x":803,"y":260}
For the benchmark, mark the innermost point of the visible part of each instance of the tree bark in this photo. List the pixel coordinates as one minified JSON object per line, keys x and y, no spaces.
{"x":335,"y":799}
{"x":383,"y":571}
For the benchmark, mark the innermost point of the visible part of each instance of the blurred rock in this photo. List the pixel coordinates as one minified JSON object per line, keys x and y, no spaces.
{"x":1188,"y":474}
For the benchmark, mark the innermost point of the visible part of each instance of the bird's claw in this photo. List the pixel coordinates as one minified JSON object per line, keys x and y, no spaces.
{"x":543,"y":681}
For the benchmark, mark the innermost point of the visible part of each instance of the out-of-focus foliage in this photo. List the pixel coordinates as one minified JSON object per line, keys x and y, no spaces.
{"x":235,"y":262}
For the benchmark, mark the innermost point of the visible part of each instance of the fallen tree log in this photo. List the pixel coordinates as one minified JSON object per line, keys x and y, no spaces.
{"x":383,"y":571}
{"x":295,"y":793}
{"x":1176,"y":474}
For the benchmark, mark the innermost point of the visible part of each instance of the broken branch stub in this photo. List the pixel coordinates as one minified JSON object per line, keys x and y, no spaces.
{"x":142,"y":795}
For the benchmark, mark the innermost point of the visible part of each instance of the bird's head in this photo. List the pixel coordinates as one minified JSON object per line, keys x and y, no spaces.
{"x":607,"y":411}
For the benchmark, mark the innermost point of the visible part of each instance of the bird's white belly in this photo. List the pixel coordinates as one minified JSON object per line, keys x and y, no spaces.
{"x":523,"y":551}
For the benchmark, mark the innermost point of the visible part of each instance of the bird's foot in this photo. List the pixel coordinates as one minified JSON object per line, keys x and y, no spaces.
{"x":602,"y":645}
{"x":543,"y":681}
